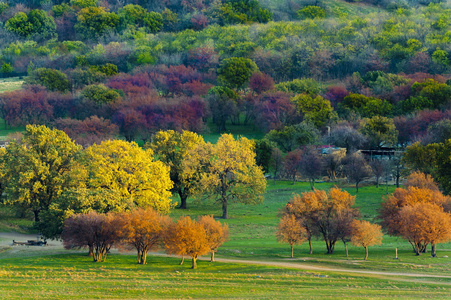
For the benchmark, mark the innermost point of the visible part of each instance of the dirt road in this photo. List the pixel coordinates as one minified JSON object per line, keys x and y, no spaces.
{"x":53,"y":247}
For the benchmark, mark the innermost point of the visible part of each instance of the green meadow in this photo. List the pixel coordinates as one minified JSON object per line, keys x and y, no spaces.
{"x":74,"y":276}
{"x":69,"y":275}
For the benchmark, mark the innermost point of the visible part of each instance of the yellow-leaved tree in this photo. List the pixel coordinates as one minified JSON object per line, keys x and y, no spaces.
{"x":127,"y":168}
{"x":39,"y":167}
{"x":228,"y":171}
{"x":171,"y":147}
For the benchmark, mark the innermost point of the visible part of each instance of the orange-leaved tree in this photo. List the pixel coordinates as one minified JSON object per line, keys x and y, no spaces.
{"x":217,"y":233}
{"x":424,"y":223}
{"x":186,"y":237}
{"x":324,"y":214}
{"x":365,"y":234}
{"x":291,"y":231}
{"x":421,"y":180}
{"x":395,"y":224}
{"x":143,"y":229}
{"x":305,"y":209}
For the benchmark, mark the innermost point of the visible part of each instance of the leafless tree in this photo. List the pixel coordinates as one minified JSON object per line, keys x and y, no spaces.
{"x":356,"y":169}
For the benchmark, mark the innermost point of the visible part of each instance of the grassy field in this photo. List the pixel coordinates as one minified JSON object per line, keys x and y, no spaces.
{"x":74,"y":276}
{"x":252,"y":234}
{"x":252,"y":238}
{"x":10,"y":84}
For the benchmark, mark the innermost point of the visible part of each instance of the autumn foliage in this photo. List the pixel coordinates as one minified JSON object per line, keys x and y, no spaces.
{"x":324,"y":214}
{"x":365,"y":234}
{"x":419,"y":215}
{"x":142,"y":229}
{"x":217,"y":233}
{"x":291,"y":231}
{"x":186,"y":237}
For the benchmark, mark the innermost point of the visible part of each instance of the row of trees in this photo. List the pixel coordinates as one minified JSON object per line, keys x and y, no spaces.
{"x":143,"y":230}
{"x":48,"y":174}
{"x":419,"y":213}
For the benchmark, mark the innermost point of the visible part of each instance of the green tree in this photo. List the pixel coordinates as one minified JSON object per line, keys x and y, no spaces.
{"x":35,"y":22}
{"x":312,"y":12}
{"x":172,"y":147}
{"x":436,"y":92}
{"x":240,"y":11}
{"x":379,"y":131}
{"x":6,"y":69}
{"x":125,"y":167}
{"x":153,"y":22}
{"x":235,"y":72}
{"x":228,"y":171}
{"x":52,"y":79}
{"x":291,"y":137}
{"x":100,"y":94}
{"x":40,"y":167}
{"x":94,"y":22}
{"x":307,"y":86}
{"x":83,"y":3}
{"x":422,"y":158}
{"x":136,"y":15}
{"x":365,"y":106}
{"x":263,"y":151}
{"x":316,"y":110}
{"x":443,"y":166}
{"x":132,"y":15}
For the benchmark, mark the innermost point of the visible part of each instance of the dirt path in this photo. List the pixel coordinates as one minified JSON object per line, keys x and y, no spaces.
{"x":6,"y":239}
{"x":327,"y":269}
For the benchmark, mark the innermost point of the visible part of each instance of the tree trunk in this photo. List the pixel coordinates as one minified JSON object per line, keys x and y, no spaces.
{"x":194,"y":266}
{"x":377,"y":181}
{"x":183,"y":259}
{"x":142,"y":257}
{"x":91,"y":250}
{"x":224,"y":208}
{"x":310,"y":244}
{"x":386,"y":186}
{"x":292,"y":251}
{"x":417,"y":250}
{"x":330,"y":246}
{"x":366,"y":253}
{"x":312,"y":184}
{"x":212,"y":256}
{"x":356,"y":187}
{"x":346,"y":249}
{"x":433,"y":254}
{"x":183,"y":198}
{"x":36,"y":215}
